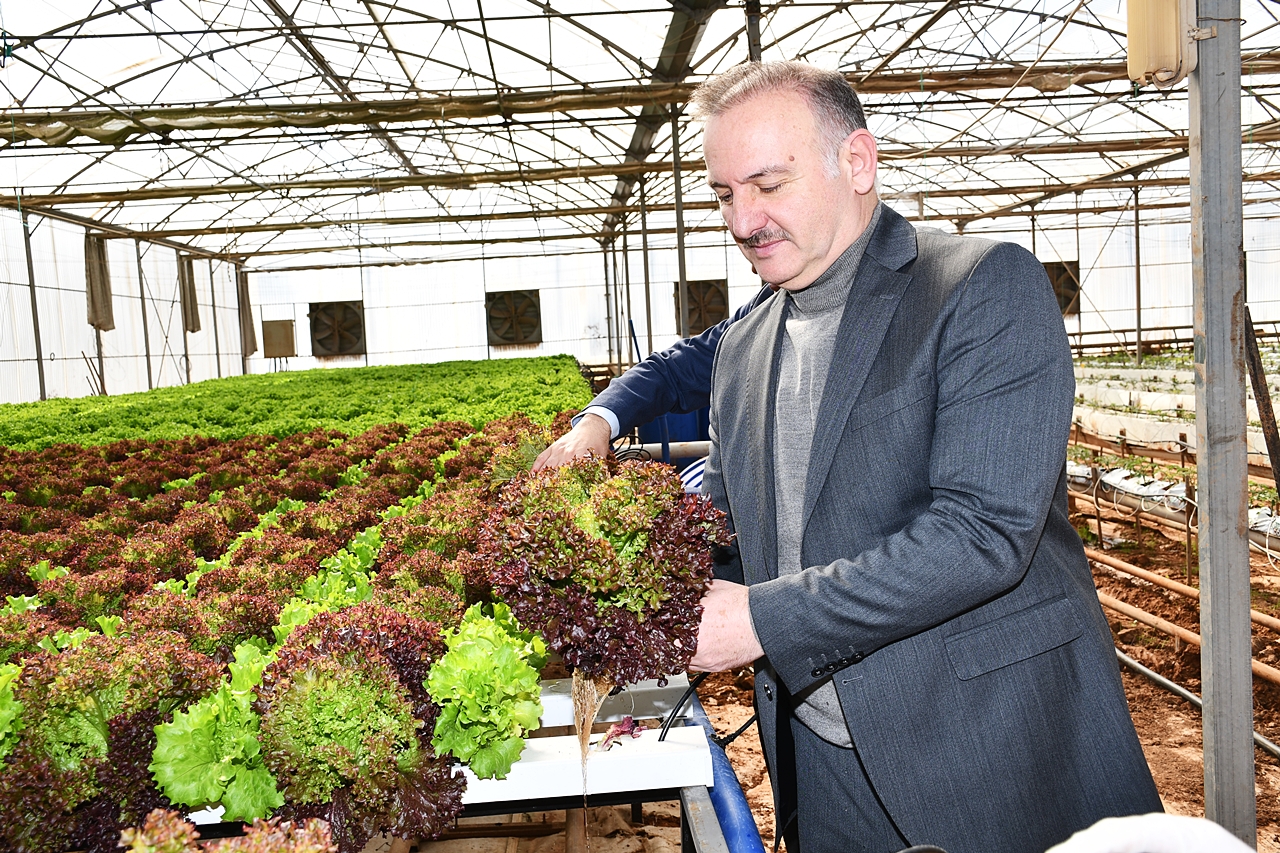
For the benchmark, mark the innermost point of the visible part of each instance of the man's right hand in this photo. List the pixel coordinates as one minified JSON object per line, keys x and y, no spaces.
{"x":589,"y":436}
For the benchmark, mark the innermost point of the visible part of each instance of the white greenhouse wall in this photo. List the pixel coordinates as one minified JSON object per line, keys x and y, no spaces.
{"x":435,"y":312}
{"x":69,"y":347}
{"x":1105,"y":251}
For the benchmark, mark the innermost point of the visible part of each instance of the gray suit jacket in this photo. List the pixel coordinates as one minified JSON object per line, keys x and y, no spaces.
{"x":948,"y":594}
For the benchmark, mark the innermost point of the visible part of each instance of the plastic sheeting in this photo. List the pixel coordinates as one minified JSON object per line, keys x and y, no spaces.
{"x":147,"y":346}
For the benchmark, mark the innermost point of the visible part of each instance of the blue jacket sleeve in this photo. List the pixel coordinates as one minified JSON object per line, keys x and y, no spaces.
{"x":677,"y":379}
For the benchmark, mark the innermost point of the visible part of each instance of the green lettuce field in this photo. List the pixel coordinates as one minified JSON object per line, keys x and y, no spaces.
{"x":280,"y":404}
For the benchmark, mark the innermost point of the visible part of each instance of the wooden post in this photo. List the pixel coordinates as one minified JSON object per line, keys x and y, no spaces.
{"x":1217,"y":241}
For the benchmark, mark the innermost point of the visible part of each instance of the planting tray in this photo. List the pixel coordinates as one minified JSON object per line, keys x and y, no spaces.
{"x":642,"y":701}
{"x":551,"y":767}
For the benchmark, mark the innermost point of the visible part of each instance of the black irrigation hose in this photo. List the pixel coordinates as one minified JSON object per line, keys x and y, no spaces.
{"x":684,"y":700}
{"x":1183,"y":693}
{"x":722,"y":742}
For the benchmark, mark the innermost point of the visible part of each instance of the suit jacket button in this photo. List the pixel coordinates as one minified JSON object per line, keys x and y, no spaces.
{"x":817,"y":673}
{"x":845,"y":661}
{"x":857,"y":657}
{"x":768,"y":692}
{"x":832,"y":667}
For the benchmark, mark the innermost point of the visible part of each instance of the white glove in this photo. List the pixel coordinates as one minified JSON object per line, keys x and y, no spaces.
{"x":1153,"y":833}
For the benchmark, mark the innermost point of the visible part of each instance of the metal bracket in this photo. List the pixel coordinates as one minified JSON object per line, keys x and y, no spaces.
{"x":1202,"y":33}
{"x":700,"y":830}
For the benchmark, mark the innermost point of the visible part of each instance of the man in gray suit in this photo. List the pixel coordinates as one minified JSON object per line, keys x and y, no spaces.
{"x":889,"y":434}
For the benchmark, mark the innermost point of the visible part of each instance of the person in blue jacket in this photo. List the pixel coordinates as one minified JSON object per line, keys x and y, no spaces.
{"x":678,"y":379}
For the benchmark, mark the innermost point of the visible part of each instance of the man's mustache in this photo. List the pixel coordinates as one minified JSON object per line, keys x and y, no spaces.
{"x":767,"y":235}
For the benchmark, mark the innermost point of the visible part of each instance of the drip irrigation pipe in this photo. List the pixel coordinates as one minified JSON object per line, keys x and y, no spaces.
{"x":722,"y":742}
{"x":1183,"y":693}
{"x":679,"y":706}
{"x":732,"y":810}
{"x":1173,"y":586}
{"x":1260,"y":669}
{"x":1258,"y":540}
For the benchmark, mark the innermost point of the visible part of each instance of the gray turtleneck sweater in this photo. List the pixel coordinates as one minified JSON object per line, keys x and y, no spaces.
{"x":812,"y":323}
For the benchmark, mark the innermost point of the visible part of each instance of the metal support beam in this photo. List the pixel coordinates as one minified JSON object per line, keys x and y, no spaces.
{"x":1137,"y":279}
{"x":142,"y":296}
{"x":242,"y":281}
{"x":688,"y":23}
{"x":59,"y":127}
{"x":632,"y":355}
{"x":644,"y":254}
{"x":307,"y":50}
{"x":608,"y":316}
{"x":213,"y":310}
{"x":684,"y":281}
{"x":102,"y":370}
{"x":35,"y":311}
{"x":1221,"y":464}
{"x":1267,"y":132}
{"x":753,"y":30}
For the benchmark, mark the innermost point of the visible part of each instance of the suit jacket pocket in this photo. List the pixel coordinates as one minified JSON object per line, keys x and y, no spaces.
{"x":895,"y":400}
{"x":1013,"y":638}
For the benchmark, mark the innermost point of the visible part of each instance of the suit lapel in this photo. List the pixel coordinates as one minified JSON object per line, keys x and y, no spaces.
{"x":872,"y":303}
{"x":763,"y":360}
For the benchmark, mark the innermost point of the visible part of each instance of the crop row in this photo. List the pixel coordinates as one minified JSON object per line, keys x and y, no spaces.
{"x":318,"y":625}
{"x":354,"y":592}
{"x":281,"y":404}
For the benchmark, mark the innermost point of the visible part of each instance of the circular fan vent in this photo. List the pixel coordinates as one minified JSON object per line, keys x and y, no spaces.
{"x":337,"y":328}
{"x":513,"y":317}
{"x":708,"y":304}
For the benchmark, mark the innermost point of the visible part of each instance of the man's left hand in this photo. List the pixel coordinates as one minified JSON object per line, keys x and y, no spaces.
{"x":726,"y":637}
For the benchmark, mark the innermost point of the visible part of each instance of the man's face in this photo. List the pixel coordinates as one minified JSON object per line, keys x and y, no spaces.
{"x":789,"y":215}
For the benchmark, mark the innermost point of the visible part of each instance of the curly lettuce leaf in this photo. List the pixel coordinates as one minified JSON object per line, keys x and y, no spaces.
{"x":10,"y":709}
{"x":210,"y":754}
{"x":488,"y":693}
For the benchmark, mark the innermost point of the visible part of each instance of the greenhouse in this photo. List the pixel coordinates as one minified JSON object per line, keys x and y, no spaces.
{"x":293,"y":293}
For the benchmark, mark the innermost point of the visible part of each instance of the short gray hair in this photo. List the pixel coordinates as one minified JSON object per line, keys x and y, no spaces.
{"x":835,"y":105}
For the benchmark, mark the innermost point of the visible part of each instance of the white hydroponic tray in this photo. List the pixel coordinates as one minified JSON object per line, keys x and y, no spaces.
{"x":642,"y":701}
{"x":552,"y":767}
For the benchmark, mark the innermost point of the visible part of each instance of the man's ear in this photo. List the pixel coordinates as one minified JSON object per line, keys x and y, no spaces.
{"x":858,"y":156}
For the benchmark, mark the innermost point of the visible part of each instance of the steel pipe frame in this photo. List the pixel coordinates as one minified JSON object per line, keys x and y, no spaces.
{"x":1183,"y":693}
{"x":1045,"y":78}
{"x":35,"y":310}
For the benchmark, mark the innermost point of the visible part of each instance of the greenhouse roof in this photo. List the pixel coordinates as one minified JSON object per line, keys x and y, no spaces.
{"x":302,"y":133}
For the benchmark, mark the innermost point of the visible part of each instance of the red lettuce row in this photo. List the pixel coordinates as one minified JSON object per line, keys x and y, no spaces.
{"x":168,"y":832}
{"x":78,"y":772}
